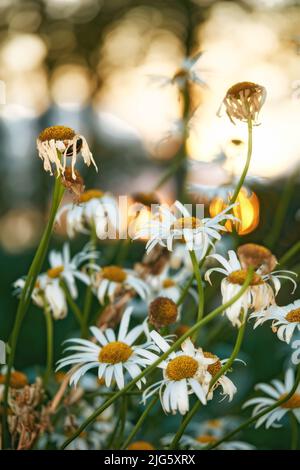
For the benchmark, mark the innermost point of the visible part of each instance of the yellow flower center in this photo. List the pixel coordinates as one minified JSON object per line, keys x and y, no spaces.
{"x":168,"y":283}
{"x":293,"y":402}
{"x":206,"y":439}
{"x":239,"y":277}
{"x":17,"y":379}
{"x":186,"y":222}
{"x":115,"y":352}
{"x":214,"y":368}
{"x":162,"y":312}
{"x":140,"y":445}
{"x":214,"y":423}
{"x":293,"y":316}
{"x":182,"y":367}
{"x":57,"y":133}
{"x":114,"y":273}
{"x":55,"y":272}
{"x":90,"y":194}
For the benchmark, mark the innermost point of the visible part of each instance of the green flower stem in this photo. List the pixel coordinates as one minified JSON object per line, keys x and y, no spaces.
{"x":294,"y":431}
{"x":25,"y":298}
{"x":123,"y":413}
{"x":72,"y":304}
{"x":281,"y":210}
{"x":49,"y":330}
{"x":221,"y":372}
{"x":88,"y":295}
{"x":153,"y":366}
{"x":197,"y":274}
{"x":290,"y":254}
{"x":259,"y":415}
{"x":246,"y":167}
{"x":139,"y":423}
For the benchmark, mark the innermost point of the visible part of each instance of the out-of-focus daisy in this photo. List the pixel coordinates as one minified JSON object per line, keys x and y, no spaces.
{"x":258,"y":256}
{"x":285,"y":320}
{"x":60,"y":140}
{"x":111,"y":280}
{"x":243,"y":101}
{"x":296,"y":354}
{"x":273,"y":393}
{"x":48,"y":291}
{"x":195,"y":233}
{"x":17,"y":380}
{"x":187,"y":72}
{"x":113,"y":356}
{"x":140,"y":445}
{"x":258,"y":296}
{"x":184,"y":373}
{"x":167,"y":284}
{"x":95,"y":210}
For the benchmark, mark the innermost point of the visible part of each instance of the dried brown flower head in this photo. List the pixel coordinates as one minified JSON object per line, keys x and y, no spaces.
{"x":258,"y":256}
{"x":75,"y":186}
{"x":243,"y":101}
{"x":162,"y":312}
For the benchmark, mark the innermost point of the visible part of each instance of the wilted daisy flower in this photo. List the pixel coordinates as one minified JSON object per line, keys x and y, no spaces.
{"x":56,"y":143}
{"x":17,"y":380}
{"x":48,"y":291}
{"x":285,"y":320}
{"x":113,"y":357}
{"x":275,"y":392}
{"x":184,"y":373}
{"x":296,"y":354}
{"x":111,"y":280}
{"x":243,"y":101}
{"x":258,"y":296}
{"x":195,"y":233}
{"x":228,"y":387}
{"x":95,"y":210}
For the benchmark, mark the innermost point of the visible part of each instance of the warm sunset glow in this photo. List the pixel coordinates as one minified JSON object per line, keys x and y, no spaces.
{"x":246,"y":210}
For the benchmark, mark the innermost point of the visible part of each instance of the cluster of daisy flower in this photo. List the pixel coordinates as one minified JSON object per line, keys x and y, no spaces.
{"x":142,"y":323}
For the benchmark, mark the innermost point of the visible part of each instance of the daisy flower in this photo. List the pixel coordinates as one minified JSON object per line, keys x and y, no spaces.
{"x":48,"y":290}
{"x":60,"y":140}
{"x":196,"y":234}
{"x":228,"y":387}
{"x":258,"y":296}
{"x":95,"y":211}
{"x":184,"y":373}
{"x":111,"y":280}
{"x":285,"y":320}
{"x":167,"y":284}
{"x":273,"y":393}
{"x":113,"y":356}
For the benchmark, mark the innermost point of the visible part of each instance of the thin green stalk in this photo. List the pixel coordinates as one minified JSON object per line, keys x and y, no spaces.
{"x":290,"y":253}
{"x":25,"y":298}
{"x":246,"y":167}
{"x":153,"y":366}
{"x":221,"y":372}
{"x":49,"y":330}
{"x":281,"y":210}
{"x":123,"y":414}
{"x":140,"y":422}
{"x":259,"y":415}
{"x":294,"y":431}
{"x":72,"y":304}
{"x":88,"y":295}
{"x":197,"y":274}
